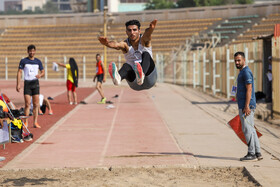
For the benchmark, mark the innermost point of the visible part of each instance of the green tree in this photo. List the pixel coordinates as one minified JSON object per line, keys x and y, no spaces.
{"x":49,"y":7}
{"x":199,"y":3}
{"x":159,"y":4}
{"x":38,"y":10}
{"x":184,"y":3}
{"x":244,"y":1}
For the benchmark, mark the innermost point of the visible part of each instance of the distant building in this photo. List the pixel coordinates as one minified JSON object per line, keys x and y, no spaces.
{"x":127,"y":5}
{"x":63,"y":5}
{"x":32,"y":5}
{"x":6,"y":5}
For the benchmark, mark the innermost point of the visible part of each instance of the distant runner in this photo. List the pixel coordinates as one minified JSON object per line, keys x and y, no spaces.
{"x":100,"y":76}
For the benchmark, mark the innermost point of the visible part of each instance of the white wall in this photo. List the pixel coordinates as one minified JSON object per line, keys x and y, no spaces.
{"x":113,"y":5}
{"x":27,"y":4}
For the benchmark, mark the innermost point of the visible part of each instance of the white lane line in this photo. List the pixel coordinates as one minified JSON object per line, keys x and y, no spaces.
{"x":190,"y":163}
{"x":101,"y":161}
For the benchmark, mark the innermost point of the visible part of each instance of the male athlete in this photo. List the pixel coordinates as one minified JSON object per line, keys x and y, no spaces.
{"x":100,"y":76}
{"x":139,"y":69}
{"x":33,"y":71}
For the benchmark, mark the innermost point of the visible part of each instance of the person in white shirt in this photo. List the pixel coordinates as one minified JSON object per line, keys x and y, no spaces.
{"x":33,"y":71}
{"x":44,"y":103}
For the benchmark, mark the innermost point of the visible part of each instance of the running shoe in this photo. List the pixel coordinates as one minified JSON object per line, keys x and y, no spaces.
{"x":139,"y":73}
{"x":103,"y":101}
{"x":259,"y":156}
{"x":27,"y":138}
{"x":249,"y":158}
{"x":2,"y":158}
{"x":50,"y":112}
{"x":16,"y":140}
{"x":113,"y":71}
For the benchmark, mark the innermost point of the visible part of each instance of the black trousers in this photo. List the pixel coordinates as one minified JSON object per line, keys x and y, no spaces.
{"x":148,"y":65}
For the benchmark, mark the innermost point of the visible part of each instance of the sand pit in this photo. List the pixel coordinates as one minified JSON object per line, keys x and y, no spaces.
{"x":123,"y":177}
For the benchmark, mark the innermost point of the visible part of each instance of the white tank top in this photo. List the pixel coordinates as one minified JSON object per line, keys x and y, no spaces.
{"x":136,"y":55}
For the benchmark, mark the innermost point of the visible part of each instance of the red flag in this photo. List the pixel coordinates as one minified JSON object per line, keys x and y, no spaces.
{"x":236,"y":126}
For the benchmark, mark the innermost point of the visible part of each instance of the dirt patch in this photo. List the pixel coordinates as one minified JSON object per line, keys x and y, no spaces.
{"x":167,"y":176}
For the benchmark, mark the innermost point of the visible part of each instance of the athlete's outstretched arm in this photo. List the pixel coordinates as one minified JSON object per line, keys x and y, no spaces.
{"x":147,"y":36}
{"x":112,"y":44}
{"x":60,"y":64}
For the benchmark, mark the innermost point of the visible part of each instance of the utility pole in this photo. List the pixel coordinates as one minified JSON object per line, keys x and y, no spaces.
{"x":105,"y":35}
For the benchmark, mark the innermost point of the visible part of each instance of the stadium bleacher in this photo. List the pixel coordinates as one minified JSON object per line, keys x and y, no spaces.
{"x":57,"y":42}
{"x":230,"y":28}
{"x":264,"y":27}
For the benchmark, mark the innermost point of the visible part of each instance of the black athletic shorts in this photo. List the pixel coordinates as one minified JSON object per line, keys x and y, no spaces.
{"x":31,"y":87}
{"x":100,"y":78}
{"x":43,"y":108}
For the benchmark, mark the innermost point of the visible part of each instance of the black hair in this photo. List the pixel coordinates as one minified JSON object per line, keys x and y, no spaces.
{"x":31,"y":47}
{"x":97,"y":55}
{"x":133,"y":22}
{"x":239,"y":53}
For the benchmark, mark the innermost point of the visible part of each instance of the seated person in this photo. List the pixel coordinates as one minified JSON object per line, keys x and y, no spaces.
{"x":44,"y":103}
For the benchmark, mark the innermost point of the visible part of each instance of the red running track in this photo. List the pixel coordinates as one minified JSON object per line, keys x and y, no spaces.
{"x":60,"y":108}
{"x":132,"y":133}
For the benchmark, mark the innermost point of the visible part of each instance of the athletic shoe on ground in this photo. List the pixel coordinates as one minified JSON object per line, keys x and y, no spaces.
{"x":71,"y":103}
{"x":2,"y":158}
{"x":259,"y":156}
{"x":36,"y":125}
{"x":16,"y":140}
{"x":40,"y":112}
{"x":103,"y":101}
{"x":113,"y":71}
{"x":139,"y":73}
{"x":249,"y":158}
{"x":50,"y":112}
{"x":75,"y":103}
{"x":27,"y":138}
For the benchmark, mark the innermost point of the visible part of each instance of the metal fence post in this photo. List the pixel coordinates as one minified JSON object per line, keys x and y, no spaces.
{"x":214,"y":87}
{"x":65,"y":70}
{"x":46,"y":68}
{"x":84,"y":68}
{"x":22,"y":75}
{"x":194,"y":71}
{"x":184,"y":63}
{"x":157,"y":66}
{"x":174,"y":70}
{"x":119,"y":61}
{"x":228,"y":73}
{"x":205,"y":73}
{"x":162,"y":67}
{"x":6,"y":66}
{"x":199,"y":70}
